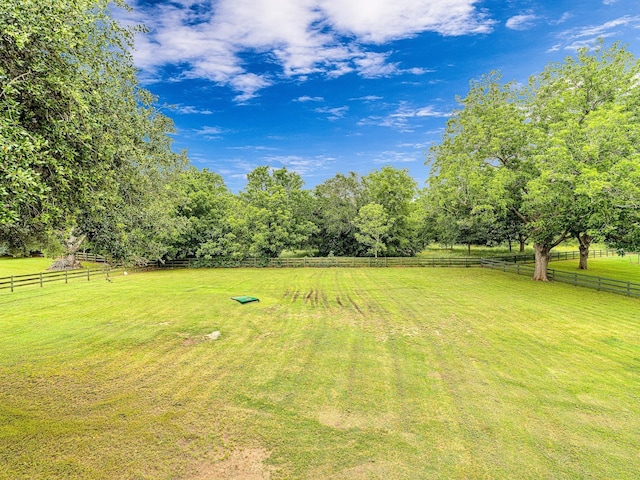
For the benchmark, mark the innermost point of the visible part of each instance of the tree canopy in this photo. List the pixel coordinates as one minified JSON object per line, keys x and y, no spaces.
{"x":80,"y":138}
{"x":561,"y":153}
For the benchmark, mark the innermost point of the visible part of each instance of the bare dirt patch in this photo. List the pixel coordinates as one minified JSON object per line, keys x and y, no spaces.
{"x":244,"y":464}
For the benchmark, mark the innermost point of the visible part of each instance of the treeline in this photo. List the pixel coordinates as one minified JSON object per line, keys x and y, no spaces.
{"x":86,"y":160}
{"x":344,"y":216}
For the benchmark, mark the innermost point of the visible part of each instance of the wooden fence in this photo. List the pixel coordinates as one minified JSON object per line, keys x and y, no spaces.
{"x":15,"y":281}
{"x":91,"y":257}
{"x":325,"y":262}
{"x":621,"y":287}
{"x":511,"y":263}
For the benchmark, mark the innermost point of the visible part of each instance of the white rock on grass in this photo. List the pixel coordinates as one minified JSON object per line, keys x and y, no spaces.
{"x":213,"y":335}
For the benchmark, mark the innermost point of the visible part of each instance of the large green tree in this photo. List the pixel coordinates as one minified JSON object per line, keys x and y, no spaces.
{"x":373,"y":224}
{"x":78,"y":136}
{"x":549,"y":152}
{"x":337,"y":202}
{"x":586,"y":111}
{"x":483,"y":163}
{"x":273,"y":214}
{"x":462,"y":210}
{"x":396,"y":191}
{"x":205,"y":206}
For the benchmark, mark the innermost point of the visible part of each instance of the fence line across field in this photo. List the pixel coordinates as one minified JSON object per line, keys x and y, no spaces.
{"x":602,"y":284}
{"x":14,"y":281}
{"x":367,"y":261}
{"x":519,"y":263}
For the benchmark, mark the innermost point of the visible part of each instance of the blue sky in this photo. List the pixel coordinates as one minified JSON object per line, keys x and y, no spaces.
{"x":329,"y":86}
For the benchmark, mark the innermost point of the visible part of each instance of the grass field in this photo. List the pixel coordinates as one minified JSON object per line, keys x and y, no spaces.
{"x":335,"y":373}
{"x":624,"y":268}
{"x":22,"y":266}
{"x":27,"y":266}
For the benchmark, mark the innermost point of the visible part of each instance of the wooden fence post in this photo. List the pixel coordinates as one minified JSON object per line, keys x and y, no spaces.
{"x":12,"y":283}
{"x":40,"y":279}
{"x":66,"y":276}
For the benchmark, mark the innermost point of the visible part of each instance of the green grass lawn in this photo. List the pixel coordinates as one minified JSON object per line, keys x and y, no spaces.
{"x":624,"y":268}
{"x":23,"y":266}
{"x":335,"y":374}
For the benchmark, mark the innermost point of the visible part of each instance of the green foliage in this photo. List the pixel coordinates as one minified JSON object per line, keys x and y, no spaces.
{"x":374,"y":226}
{"x":273,"y":214}
{"x":396,"y":191}
{"x":481,"y":165}
{"x":81,"y":142}
{"x":559,"y":156}
{"x":205,"y":205}
{"x":337,"y":202}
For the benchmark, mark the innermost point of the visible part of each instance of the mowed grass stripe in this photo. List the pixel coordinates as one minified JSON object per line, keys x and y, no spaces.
{"x":400,"y":373}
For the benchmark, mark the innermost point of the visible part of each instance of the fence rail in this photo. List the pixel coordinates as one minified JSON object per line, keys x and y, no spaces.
{"x":367,"y":261}
{"x":508,"y":263}
{"x":621,"y":287}
{"x":324,"y":262}
{"x":15,"y":281}
{"x":91,"y":257}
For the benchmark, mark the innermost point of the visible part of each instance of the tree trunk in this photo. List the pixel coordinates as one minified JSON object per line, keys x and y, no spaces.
{"x":585,"y":243}
{"x":509,"y":240}
{"x":69,"y":260}
{"x":542,"y":262}
{"x":521,"y":239}
{"x":468,"y":249}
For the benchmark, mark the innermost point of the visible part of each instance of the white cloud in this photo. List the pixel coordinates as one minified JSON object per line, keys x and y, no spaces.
{"x":392,"y":157}
{"x":419,"y":71}
{"x":565,"y":16}
{"x":210,"y":132}
{"x":397,"y":123}
{"x":378,"y":21}
{"x":429,"y":111}
{"x":248,"y":84}
{"x":401,"y":119}
{"x":603,"y":29}
{"x":371,"y":65}
{"x":609,"y":2}
{"x":333,"y":113}
{"x":580,"y":37}
{"x":306,"y":98}
{"x":368,"y":98}
{"x":522,"y":22}
{"x":304,"y":166}
{"x":190,"y":110}
{"x":207,"y":39}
